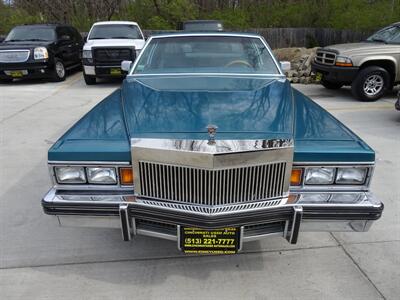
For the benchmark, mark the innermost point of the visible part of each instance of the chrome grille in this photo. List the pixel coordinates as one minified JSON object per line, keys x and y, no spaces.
{"x":212,"y":186}
{"x":14,"y":56}
{"x":325,"y":57}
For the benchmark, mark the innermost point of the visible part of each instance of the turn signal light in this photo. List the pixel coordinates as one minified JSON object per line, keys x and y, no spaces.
{"x":126,"y":176}
{"x":295,"y":178}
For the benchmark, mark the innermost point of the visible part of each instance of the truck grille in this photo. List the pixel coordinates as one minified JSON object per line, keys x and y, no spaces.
{"x":113,"y":55}
{"x":325,"y":57}
{"x":14,"y":56}
{"x":212,"y":186}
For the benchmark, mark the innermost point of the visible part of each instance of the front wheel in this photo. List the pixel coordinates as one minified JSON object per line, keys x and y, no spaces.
{"x":331,"y":85}
{"x":89,"y":80}
{"x":371,"y":84}
{"x":59,"y":72}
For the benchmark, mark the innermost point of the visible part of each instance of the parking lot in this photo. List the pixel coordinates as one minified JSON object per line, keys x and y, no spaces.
{"x":40,"y":260}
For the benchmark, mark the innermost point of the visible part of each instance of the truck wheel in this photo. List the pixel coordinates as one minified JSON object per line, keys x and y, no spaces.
{"x":59,"y":72}
{"x":371,"y":83}
{"x":89,"y":80}
{"x":331,"y":85}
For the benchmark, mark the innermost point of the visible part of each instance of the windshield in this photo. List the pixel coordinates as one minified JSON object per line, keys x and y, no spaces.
{"x":206,"y":54}
{"x":31,"y":34}
{"x":389,"y":35}
{"x":115,"y":31}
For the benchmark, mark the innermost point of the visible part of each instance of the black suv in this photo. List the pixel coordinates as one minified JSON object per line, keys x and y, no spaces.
{"x":40,"y":51}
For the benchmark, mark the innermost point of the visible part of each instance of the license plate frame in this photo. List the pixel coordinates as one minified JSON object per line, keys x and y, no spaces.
{"x":221,"y":241}
{"x":115,"y":71}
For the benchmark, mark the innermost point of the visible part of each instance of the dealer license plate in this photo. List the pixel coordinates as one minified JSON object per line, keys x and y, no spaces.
{"x":16,"y":74}
{"x":215,"y":241}
{"x":116,"y":71}
{"x":318,"y":76}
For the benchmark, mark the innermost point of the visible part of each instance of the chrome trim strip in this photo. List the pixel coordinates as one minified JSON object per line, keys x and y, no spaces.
{"x":156,"y":234}
{"x":329,"y":163}
{"x":89,"y":163}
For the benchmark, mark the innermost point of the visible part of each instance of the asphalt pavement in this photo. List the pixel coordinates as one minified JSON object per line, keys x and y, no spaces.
{"x":39,"y":260}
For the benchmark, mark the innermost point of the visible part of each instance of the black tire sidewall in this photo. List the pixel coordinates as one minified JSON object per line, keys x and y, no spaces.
{"x":55,"y":76}
{"x":357,"y":87}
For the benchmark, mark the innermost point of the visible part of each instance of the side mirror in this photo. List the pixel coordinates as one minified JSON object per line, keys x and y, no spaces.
{"x":126,"y":65}
{"x":285,"y":66}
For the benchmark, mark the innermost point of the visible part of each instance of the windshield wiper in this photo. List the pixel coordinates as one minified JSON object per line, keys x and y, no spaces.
{"x":98,"y":38}
{"x":120,"y":37}
{"x":12,"y":40}
{"x":379,"y":40}
{"x":36,"y":40}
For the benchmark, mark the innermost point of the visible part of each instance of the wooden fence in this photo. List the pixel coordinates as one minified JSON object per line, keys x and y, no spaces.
{"x":297,"y":37}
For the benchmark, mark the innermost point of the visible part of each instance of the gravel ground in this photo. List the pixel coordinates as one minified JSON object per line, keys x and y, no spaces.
{"x":39,"y":260}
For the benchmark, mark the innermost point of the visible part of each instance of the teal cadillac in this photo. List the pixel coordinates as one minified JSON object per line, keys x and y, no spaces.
{"x":207,"y":144}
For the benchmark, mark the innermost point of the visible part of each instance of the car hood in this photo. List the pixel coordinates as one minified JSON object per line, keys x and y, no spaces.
{"x":183,"y":107}
{"x":137,"y":43}
{"x":369,"y":47}
{"x":23,"y":45}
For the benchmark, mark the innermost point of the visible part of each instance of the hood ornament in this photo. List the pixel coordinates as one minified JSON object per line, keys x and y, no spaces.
{"x":212,"y":131}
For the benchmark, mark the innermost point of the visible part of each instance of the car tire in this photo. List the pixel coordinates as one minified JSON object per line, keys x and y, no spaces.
{"x":59,"y":72}
{"x":371,"y":84}
{"x":331,"y":85}
{"x":89,"y":80}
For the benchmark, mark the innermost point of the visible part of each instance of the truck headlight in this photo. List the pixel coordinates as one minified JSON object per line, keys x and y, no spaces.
{"x":70,"y":174}
{"x":319,"y":175}
{"x":40,"y":53}
{"x":343,"y":61}
{"x":351,"y":175}
{"x":102,"y":175}
{"x":87,"y":54}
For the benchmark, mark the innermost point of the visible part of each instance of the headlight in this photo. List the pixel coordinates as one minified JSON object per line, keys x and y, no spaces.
{"x":319,"y":175}
{"x":87,"y":54}
{"x":351,"y":175}
{"x":102,"y":175}
{"x":70,"y":174}
{"x":40,"y":53}
{"x":343,"y":61}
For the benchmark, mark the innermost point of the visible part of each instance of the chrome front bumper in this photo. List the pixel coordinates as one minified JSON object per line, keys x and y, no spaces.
{"x":285,"y":217}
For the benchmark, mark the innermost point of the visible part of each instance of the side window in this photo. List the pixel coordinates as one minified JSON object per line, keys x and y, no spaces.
{"x":76,"y":36}
{"x":62,"y":31}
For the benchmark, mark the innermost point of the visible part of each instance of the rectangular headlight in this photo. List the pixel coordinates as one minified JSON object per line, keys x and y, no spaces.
{"x":102,"y":175}
{"x":319,"y":175}
{"x":351,"y":175}
{"x":87,"y":54}
{"x":70,"y":174}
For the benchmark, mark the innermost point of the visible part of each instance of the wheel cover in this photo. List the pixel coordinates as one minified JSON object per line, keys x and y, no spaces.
{"x":373,"y":85}
{"x":60,"y":70}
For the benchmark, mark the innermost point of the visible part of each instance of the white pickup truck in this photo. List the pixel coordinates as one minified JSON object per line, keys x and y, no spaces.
{"x":107,"y":45}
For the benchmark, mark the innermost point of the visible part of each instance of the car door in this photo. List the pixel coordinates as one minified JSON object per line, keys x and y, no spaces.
{"x":65,"y":45}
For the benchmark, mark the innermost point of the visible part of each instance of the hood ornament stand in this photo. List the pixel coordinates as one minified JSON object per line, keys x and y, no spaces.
{"x":212,"y":131}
